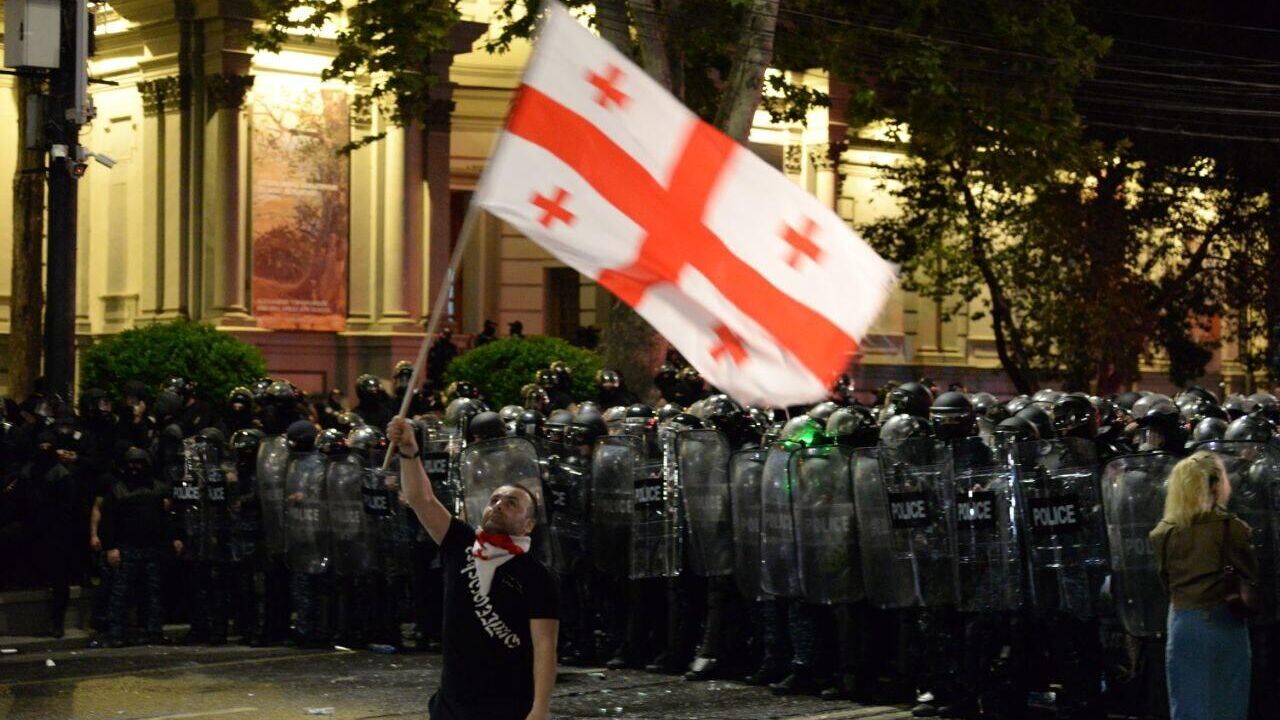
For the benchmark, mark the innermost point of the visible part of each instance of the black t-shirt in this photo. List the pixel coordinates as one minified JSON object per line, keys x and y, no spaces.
{"x":488,"y":651}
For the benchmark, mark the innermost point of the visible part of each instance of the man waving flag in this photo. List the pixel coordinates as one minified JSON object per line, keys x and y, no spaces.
{"x":765,"y":291}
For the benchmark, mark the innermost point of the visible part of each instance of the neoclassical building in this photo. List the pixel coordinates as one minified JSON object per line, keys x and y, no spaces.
{"x":228,"y":203}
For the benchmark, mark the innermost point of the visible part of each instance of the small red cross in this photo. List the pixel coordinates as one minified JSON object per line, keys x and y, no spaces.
{"x":729,"y":344}
{"x":801,"y":242}
{"x":607,"y":84}
{"x":553,"y":208}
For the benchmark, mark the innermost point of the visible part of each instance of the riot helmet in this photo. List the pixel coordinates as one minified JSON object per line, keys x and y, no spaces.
{"x":615,"y":415}
{"x":1046,"y":398}
{"x":666,"y":380}
{"x":1016,"y":405}
{"x":487,"y":425}
{"x":180,"y":386}
{"x":822,"y":411}
{"x":1075,"y":416}
{"x":668,"y":411}
{"x":1039,"y":417}
{"x":535,"y":397}
{"x":1017,"y":429}
{"x":369,"y":388}
{"x":1238,"y":406}
{"x":509,"y":414}
{"x":853,"y":427}
{"x":1249,"y":428}
{"x":460,"y":413}
{"x":910,"y":398}
{"x":900,"y":428}
{"x":952,"y":417}
{"x":280,"y":408}
{"x":529,"y":424}
{"x":607,"y":379}
{"x":1164,"y":427}
{"x":347,"y":421}
{"x":545,"y":379}
{"x":332,"y":443}
{"x":587,"y":427}
{"x":563,"y":375}
{"x":401,"y":375}
{"x":366,"y":442}
{"x":259,"y":389}
{"x":245,"y":443}
{"x":461,"y":389}
{"x":683,"y":421}
{"x":1210,"y":428}
{"x":1263,"y":400}
{"x":1127,"y":400}
{"x":1147,"y":401}
{"x":801,"y":430}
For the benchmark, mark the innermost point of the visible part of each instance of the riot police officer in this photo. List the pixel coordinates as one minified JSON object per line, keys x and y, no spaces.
{"x":246,"y":551}
{"x":373,"y":405}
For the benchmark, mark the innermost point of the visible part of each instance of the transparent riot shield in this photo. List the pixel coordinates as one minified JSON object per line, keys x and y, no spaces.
{"x":1133,"y":492}
{"x":390,"y":534}
{"x":614,"y":463}
{"x":988,"y":550}
{"x":779,"y":561}
{"x":438,"y":459}
{"x":351,"y":532}
{"x":826,"y":534}
{"x":1254,"y":471}
{"x":568,"y":488}
{"x":487,"y":465}
{"x":746,"y":469}
{"x":655,"y":523}
{"x":904,"y":496}
{"x":273,"y":462}
{"x":1062,"y":519}
{"x":306,"y":514}
{"x":703,"y":456}
{"x":215,"y":508}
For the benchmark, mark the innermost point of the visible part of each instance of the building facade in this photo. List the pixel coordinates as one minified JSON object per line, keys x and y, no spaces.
{"x":230,"y":204}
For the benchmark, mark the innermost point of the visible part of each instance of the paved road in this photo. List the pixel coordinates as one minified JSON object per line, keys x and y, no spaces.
{"x":172,"y":683}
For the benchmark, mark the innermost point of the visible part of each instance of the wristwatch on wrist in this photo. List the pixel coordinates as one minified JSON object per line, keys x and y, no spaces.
{"x":407,"y":457}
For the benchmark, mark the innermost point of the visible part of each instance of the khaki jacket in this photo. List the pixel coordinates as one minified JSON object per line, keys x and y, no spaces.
{"x":1190,"y":558}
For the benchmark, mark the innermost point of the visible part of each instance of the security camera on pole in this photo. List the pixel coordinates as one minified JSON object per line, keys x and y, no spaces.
{"x":48,"y":38}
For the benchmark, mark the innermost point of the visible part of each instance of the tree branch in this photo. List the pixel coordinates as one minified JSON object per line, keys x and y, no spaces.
{"x":652,"y":32}
{"x":746,"y":77}
{"x":611,"y":20}
{"x":1015,"y":363}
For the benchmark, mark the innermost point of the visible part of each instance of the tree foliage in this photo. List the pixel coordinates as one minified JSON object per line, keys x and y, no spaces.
{"x":383,"y":47}
{"x":215,"y":360}
{"x":501,"y":368}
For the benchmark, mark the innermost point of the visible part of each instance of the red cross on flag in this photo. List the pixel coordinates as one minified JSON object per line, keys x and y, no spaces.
{"x":762,"y":288}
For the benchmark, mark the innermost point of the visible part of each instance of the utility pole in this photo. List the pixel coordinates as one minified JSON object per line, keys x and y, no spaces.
{"x":70,"y":109}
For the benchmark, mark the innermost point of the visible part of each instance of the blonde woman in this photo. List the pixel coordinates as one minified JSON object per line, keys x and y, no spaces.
{"x":1207,"y":652}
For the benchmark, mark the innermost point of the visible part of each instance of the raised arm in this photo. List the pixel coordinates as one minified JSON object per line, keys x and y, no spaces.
{"x":414,"y":483}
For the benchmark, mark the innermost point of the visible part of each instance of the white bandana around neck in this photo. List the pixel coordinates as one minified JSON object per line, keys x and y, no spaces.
{"x":491,"y":551}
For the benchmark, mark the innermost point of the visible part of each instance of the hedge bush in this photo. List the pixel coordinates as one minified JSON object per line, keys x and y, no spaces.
{"x":501,"y":368}
{"x":215,"y":360}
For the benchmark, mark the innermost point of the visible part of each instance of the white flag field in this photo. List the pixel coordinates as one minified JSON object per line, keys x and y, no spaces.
{"x":763,"y":289}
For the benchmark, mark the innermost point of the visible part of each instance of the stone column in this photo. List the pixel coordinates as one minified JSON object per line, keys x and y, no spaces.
{"x":152,"y":291}
{"x":225,"y":211}
{"x":174,"y":177}
{"x":366,"y":189}
{"x":401,"y":253}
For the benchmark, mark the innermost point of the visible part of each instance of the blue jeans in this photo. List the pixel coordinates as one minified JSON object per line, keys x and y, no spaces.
{"x":1207,"y":657}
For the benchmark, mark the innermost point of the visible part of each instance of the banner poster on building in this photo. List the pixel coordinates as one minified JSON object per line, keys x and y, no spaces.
{"x":299,"y":200}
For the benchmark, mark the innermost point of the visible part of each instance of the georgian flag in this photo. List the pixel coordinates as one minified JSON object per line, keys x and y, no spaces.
{"x":764,"y":291}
